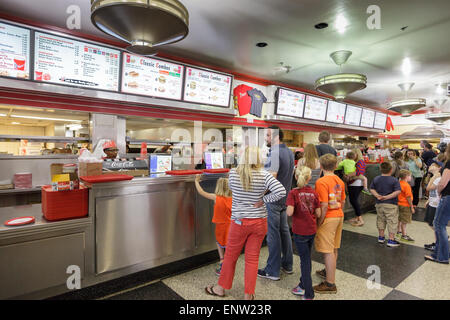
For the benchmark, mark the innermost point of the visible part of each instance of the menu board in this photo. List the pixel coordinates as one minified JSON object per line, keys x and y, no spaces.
{"x":380,"y":120}
{"x":14,"y":51}
{"x":151,"y":77}
{"x":336,"y":112}
{"x":353,"y":115}
{"x":207,"y":87}
{"x":66,"y":61}
{"x":367,"y":118}
{"x":315,"y":108}
{"x":290,"y":103}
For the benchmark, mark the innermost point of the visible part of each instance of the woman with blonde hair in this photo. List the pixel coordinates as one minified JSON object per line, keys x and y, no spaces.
{"x":311,"y":160}
{"x":248,"y":184}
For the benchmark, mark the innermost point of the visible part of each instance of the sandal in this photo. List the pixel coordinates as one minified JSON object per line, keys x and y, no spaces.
{"x":357,"y":224}
{"x":209,"y":290}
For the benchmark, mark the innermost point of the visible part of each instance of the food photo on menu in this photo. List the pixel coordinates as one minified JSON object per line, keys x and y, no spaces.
{"x":14,"y":51}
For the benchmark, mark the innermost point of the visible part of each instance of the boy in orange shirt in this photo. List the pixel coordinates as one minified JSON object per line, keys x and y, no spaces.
{"x":331,"y":191}
{"x":405,"y":206}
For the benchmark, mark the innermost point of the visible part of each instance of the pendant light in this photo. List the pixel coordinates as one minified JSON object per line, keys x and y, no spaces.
{"x":342,"y":84}
{"x":439,"y":118}
{"x":406,"y":106}
{"x":144,"y":24}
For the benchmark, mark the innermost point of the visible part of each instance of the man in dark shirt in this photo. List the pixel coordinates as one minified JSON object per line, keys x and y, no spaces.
{"x":323,"y":147}
{"x":280,"y":163}
{"x":386,"y":189}
{"x":428,"y":154}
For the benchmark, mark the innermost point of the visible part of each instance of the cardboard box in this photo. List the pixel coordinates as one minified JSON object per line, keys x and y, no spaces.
{"x":89,"y":169}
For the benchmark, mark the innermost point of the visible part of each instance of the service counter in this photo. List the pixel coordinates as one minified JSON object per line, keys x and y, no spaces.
{"x":131,"y":226}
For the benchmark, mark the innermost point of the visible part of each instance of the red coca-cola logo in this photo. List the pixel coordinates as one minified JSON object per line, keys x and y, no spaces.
{"x":19,"y":64}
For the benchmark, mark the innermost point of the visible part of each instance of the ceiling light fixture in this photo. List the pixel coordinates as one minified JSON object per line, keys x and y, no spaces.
{"x":321,"y":25}
{"x":144,"y":24}
{"x":406,"y":106}
{"x":406,"y":66}
{"x":341,"y":23}
{"x":342,"y":84}
{"x":2,"y":115}
{"x":15,"y":122}
{"x":261,"y":44}
{"x":43,"y":118}
{"x":439,"y":118}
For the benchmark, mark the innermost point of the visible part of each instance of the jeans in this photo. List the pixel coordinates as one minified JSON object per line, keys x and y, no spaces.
{"x":250,"y":234}
{"x":441,"y":219}
{"x":304,"y":245}
{"x":353,"y":193}
{"x":279,"y":240}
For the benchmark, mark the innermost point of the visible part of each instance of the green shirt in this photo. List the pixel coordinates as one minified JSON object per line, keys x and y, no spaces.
{"x":415,"y":170}
{"x":348,"y":165}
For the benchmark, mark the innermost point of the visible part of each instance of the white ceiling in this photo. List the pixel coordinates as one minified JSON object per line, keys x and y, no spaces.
{"x":224,"y":34}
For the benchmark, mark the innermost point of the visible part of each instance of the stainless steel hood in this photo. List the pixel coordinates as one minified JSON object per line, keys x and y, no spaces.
{"x":423,"y":133}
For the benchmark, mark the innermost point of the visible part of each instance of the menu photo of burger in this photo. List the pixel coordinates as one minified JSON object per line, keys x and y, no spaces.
{"x":132,"y":84}
{"x":162,"y":79}
{"x":133,"y":74}
{"x":193,"y":85}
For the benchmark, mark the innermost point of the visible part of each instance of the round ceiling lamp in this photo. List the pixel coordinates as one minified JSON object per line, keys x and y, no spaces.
{"x":406,"y":106}
{"x":422,"y":133}
{"x":342,"y":84}
{"x":144,"y":24}
{"x":439,"y":118}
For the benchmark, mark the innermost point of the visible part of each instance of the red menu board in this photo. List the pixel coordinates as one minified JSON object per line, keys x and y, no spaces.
{"x":14,"y":51}
{"x":71,"y":62}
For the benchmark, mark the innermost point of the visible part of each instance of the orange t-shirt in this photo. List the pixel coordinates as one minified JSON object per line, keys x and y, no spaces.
{"x":222,"y":210}
{"x":331,"y":189}
{"x":406,"y":192}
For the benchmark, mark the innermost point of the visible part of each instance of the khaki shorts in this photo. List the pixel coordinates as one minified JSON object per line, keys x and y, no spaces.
{"x":387,"y":214}
{"x":404,"y":214}
{"x":328,"y":236}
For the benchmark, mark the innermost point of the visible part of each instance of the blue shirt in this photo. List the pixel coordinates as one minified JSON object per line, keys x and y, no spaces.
{"x":281,"y":161}
{"x":385,"y":185}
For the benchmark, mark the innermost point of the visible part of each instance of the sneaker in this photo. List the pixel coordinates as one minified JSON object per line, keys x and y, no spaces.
{"x":287,"y":271}
{"x":398,"y":235}
{"x":430,"y":246}
{"x":325,"y":288}
{"x":406,"y":239}
{"x":322,"y":273}
{"x":393,"y":243}
{"x":263,"y":274}
{"x":381,"y":240}
{"x":298,"y":291}
{"x":219,"y":269}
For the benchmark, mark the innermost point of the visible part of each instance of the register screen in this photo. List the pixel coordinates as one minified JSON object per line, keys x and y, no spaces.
{"x":160,"y":163}
{"x":214,"y":160}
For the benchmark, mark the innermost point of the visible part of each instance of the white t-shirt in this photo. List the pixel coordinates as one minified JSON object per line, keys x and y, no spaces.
{"x":433,"y":198}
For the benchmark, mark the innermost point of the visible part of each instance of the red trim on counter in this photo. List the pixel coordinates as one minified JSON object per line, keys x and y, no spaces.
{"x":237,"y":75}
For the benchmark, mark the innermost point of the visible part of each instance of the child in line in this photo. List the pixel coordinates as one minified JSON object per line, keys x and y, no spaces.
{"x":386,"y":189}
{"x":405,"y":205}
{"x":222,"y":213}
{"x":433,"y":199}
{"x":331,"y":191}
{"x":349,"y":166}
{"x":304,"y":207}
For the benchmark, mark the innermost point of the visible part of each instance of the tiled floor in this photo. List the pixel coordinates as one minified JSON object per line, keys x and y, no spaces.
{"x":404,"y":274}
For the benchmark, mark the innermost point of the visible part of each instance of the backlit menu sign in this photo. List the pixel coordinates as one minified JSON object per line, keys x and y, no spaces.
{"x":336,"y":112}
{"x":380,"y":120}
{"x":290,"y":103}
{"x":151,"y":77}
{"x":207,"y":87}
{"x":66,"y":61}
{"x":14,"y":51}
{"x":315,"y":108}
{"x":353,"y":115}
{"x":367,"y":118}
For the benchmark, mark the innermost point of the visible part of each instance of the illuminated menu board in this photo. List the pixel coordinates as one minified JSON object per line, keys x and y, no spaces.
{"x":207,"y":87}
{"x":353,"y":115}
{"x":380,"y":120}
{"x":151,"y":77}
{"x":14,"y":51}
{"x":315,"y":108}
{"x":66,"y":61}
{"x":290,"y":103}
{"x":336,"y":112}
{"x":367,"y":118}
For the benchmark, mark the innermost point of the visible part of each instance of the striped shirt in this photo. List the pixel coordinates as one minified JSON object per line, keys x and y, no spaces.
{"x":243,"y":201}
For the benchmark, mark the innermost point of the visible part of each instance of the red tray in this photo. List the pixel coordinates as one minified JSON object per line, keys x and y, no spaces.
{"x":183,"y":172}
{"x":106,"y":178}
{"x":68,"y":204}
{"x":216,"y":170}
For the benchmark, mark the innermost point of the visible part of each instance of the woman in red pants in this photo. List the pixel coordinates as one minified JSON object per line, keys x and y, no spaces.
{"x":248,"y":183}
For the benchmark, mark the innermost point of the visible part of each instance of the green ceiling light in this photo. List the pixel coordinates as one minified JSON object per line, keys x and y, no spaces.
{"x":144,"y":24}
{"x":406,"y":106}
{"x":342,"y":84}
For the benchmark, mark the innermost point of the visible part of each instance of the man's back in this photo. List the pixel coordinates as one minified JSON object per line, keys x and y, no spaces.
{"x":324,"y":148}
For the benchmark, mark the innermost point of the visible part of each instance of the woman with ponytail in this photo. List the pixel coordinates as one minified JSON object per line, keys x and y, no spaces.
{"x":248,"y":183}
{"x":304,"y":206}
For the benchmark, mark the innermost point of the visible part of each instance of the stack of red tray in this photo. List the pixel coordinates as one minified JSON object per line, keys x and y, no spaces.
{"x":183,"y":172}
{"x":61,"y":205}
